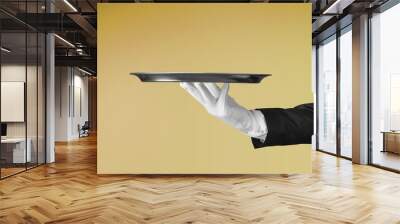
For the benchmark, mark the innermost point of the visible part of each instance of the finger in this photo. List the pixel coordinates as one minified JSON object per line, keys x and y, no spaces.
{"x":214,"y":89}
{"x":192,"y":90}
{"x":183,"y":84}
{"x":206,"y":95}
{"x":224,"y":94}
{"x":188,"y":86}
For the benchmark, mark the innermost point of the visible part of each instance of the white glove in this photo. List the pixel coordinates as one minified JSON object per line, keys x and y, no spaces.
{"x":219,"y":104}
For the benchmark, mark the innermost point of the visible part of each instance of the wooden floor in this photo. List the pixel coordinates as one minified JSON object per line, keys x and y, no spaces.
{"x":5,"y":172}
{"x":69,"y":191}
{"x":387,"y":159}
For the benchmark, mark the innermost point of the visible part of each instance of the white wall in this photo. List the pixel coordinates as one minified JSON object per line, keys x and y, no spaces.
{"x":81,"y":103}
{"x":34,"y":125}
{"x":62,"y":81}
{"x":71,"y":94}
{"x":12,"y":101}
{"x":16,"y":73}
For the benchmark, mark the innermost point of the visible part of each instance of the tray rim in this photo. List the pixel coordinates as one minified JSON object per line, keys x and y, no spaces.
{"x":260,"y":76}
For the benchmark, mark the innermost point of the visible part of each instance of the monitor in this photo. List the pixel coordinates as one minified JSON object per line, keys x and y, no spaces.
{"x":3,"y":129}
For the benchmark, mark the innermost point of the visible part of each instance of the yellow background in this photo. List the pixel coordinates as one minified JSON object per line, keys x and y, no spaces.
{"x":158,"y":127}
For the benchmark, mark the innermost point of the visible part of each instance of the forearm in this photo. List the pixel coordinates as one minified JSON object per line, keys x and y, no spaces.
{"x":267,"y":127}
{"x":287,"y":126}
{"x":249,"y":122}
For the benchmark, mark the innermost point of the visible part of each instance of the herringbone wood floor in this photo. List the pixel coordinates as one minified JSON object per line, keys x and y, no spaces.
{"x":69,"y":191}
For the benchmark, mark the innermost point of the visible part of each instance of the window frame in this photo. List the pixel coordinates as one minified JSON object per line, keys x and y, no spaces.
{"x":333,"y":37}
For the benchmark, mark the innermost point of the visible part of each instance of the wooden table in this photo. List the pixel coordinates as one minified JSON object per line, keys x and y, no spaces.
{"x":391,"y":141}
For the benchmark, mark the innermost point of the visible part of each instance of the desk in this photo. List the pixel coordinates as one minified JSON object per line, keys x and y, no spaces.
{"x":391,"y":141}
{"x":17,"y":152}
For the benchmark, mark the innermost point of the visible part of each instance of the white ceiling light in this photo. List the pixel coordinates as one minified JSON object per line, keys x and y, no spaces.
{"x":70,"y":5}
{"x":5,"y":50}
{"x":65,"y":41}
{"x":84,"y":71}
{"x":79,"y":51}
{"x":338,"y":6}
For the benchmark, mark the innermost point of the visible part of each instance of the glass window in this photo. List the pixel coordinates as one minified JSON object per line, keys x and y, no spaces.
{"x":327,"y":95}
{"x":14,"y":150}
{"x":346,"y":92}
{"x":22,"y":92}
{"x":385,"y":88}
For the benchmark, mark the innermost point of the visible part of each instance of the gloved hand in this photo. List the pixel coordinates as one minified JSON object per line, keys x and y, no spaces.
{"x":219,"y":104}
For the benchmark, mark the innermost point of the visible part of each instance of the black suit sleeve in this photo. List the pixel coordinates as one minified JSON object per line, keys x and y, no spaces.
{"x":287,"y":126}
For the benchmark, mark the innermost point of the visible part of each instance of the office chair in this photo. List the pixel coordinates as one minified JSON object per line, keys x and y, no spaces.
{"x":84,"y":130}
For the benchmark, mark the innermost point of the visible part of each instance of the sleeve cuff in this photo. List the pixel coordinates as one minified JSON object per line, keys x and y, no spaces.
{"x":258,"y":127}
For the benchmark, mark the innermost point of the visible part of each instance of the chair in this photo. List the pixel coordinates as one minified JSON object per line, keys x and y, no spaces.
{"x":84,"y":130}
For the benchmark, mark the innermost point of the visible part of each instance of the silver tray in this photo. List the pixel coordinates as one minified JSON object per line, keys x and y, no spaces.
{"x":199,"y":77}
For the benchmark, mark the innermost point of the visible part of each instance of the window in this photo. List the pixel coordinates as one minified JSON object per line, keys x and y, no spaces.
{"x":385,"y":89}
{"x":394,"y":101}
{"x":346,"y":92}
{"x":327,"y":95}
{"x":22,"y":78}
